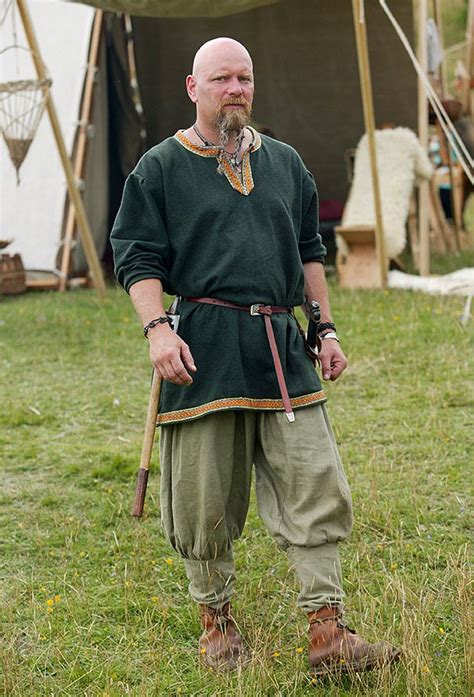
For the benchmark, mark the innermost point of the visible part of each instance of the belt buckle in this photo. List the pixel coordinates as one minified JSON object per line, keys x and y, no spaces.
{"x":255,"y":309}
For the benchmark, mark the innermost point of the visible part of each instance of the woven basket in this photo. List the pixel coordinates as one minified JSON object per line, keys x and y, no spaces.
{"x":12,"y":274}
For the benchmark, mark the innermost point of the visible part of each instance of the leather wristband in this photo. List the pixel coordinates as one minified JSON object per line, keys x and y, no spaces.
{"x":322,"y":326}
{"x":154,"y":322}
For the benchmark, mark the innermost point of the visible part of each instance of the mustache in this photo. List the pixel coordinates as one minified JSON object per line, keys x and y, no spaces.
{"x":235,"y":100}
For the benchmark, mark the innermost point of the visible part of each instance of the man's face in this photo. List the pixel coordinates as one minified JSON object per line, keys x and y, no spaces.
{"x":222,"y":88}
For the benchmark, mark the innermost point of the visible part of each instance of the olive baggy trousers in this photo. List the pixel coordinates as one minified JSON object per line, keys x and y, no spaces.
{"x":302,"y":496}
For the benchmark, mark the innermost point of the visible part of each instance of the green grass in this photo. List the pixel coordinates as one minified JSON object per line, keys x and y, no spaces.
{"x":95,"y":603}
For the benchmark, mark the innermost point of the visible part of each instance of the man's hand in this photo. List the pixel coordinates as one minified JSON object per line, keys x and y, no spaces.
{"x":333,"y":360}
{"x":171,"y":356}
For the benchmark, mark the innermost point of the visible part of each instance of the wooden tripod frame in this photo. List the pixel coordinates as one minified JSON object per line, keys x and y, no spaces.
{"x":75,"y":198}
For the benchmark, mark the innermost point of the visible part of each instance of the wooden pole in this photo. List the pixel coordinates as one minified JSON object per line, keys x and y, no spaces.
{"x":444,"y":91}
{"x":74,"y":195}
{"x":468,"y":106}
{"x":369,"y":119}
{"x":80,"y":157}
{"x":147,"y":449}
{"x":439,"y":24}
{"x":424,"y":187}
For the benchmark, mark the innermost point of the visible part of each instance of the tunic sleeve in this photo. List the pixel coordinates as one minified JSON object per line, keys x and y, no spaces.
{"x":139,"y":238}
{"x":310,"y":245}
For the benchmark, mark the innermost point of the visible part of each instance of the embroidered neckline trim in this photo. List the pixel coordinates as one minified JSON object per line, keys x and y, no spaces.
{"x":243,"y":186}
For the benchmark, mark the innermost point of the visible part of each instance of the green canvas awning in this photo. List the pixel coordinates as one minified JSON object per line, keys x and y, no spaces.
{"x":177,"y":8}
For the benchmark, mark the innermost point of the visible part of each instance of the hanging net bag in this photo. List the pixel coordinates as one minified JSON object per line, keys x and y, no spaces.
{"x":21,"y":105}
{"x":4,"y":9}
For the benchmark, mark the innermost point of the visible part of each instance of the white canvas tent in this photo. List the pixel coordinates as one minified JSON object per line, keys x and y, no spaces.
{"x":32,"y":212}
{"x":314,"y":102}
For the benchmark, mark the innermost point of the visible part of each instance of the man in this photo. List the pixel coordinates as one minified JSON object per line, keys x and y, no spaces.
{"x":226,"y":219}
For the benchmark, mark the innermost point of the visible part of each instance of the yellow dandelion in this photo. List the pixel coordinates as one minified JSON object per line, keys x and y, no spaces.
{"x":441,"y":630}
{"x":393,"y":567}
{"x":299,"y":649}
{"x":425,"y":669}
{"x":82,"y":554}
{"x":43,"y":589}
{"x":342,"y":660}
{"x":314,"y":681}
{"x":169,"y":561}
{"x":50,"y":610}
{"x":127,"y":584}
{"x":41,"y":637}
{"x":50,"y":602}
{"x":154,"y":598}
{"x":203,"y":650}
{"x":57,"y":598}
{"x":275,"y":654}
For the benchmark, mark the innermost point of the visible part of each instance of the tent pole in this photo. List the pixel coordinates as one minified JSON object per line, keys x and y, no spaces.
{"x":457,"y":224}
{"x":80,"y":156}
{"x":369,"y":119}
{"x":438,"y":18}
{"x":468,"y":105}
{"x":424,"y":187}
{"x":74,"y":195}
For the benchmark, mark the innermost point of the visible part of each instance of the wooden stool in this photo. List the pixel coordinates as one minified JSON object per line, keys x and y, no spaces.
{"x":360,"y":268}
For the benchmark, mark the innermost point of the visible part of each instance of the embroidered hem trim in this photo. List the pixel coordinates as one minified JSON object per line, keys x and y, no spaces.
{"x":238,"y":403}
{"x":245,"y":186}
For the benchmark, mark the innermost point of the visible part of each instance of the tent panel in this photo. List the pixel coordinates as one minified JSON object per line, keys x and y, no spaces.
{"x":32,"y":212}
{"x":178,"y":8}
{"x":307,"y":83}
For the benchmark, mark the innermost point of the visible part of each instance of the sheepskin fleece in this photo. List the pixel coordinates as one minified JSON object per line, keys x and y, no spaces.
{"x":400,"y":160}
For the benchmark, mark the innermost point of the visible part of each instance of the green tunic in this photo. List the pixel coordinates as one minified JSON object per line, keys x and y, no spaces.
{"x":204,"y":234}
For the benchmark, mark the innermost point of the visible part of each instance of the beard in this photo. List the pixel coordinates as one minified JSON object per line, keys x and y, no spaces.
{"x":231,"y":122}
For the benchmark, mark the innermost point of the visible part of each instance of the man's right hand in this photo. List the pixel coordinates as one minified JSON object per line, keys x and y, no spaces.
{"x":171,"y":356}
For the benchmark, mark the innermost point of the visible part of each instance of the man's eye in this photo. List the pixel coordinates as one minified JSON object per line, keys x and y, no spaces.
{"x":245,"y":79}
{"x":221,"y":78}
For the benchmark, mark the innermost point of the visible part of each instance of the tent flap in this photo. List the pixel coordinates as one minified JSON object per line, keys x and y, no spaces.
{"x":178,"y":8}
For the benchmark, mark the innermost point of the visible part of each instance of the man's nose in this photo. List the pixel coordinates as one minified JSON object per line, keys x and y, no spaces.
{"x":235,"y":87}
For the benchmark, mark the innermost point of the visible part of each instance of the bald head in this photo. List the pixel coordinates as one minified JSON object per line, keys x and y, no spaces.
{"x":221,"y":86}
{"x":216,"y":50}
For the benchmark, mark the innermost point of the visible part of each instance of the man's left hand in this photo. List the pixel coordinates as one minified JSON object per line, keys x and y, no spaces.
{"x":333,"y":360}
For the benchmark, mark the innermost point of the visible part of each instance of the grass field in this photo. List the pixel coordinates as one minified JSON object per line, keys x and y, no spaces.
{"x":95,"y":603}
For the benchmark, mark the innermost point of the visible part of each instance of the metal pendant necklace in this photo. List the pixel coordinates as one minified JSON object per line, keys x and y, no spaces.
{"x":233,"y":158}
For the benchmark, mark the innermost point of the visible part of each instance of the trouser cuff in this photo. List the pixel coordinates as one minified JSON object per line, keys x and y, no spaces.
{"x":211,"y":582}
{"x":319,"y":572}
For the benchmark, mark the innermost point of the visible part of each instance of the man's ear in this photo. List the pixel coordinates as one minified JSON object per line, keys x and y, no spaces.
{"x":191,"y":88}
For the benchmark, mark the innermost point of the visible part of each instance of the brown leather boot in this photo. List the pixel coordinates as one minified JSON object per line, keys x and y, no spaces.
{"x":333,"y":647}
{"x":220,"y":646}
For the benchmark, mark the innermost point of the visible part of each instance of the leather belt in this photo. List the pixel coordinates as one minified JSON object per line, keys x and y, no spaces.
{"x":267,"y":311}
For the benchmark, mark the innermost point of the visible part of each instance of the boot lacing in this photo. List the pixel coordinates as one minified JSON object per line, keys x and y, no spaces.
{"x":340,"y":622}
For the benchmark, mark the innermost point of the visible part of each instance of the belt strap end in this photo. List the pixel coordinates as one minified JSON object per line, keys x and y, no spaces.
{"x":290,"y":416}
